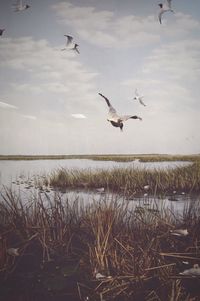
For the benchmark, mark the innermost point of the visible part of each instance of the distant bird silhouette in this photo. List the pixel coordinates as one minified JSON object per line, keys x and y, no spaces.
{"x":163,"y":9}
{"x":115,"y":119}
{"x":2,"y":31}
{"x":70,"y":45}
{"x":139,"y":98}
{"x":19,"y":6}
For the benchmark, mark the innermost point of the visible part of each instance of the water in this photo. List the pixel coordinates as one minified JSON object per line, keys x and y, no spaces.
{"x":21,"y":177}
{"x":11,"y":170}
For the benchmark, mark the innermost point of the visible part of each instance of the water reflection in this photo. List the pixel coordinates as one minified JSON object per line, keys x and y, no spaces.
{"x":13,"y":170}
{"x":23,"y":177}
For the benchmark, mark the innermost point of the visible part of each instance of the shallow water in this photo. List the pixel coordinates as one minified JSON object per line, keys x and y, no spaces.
{"x":12,"y":170}
{"x":22,"y":176}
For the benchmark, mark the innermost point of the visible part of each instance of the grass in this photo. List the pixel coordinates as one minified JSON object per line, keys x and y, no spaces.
{"x":107,"y":157}
{"x":63,"y":246}
{"x":131,"y":180}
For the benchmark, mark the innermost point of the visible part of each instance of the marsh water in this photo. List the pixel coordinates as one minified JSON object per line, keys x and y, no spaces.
{"x":11,"y":170}
{"x":21,"y":176}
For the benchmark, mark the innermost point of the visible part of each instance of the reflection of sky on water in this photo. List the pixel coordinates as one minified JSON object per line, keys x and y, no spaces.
{"x":20,"y":176}
{"x":87,"y":197}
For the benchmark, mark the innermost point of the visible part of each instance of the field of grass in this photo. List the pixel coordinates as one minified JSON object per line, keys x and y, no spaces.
{"x":131,"y":180}
{"x":107,"y":157}
{"x":62,"y":248}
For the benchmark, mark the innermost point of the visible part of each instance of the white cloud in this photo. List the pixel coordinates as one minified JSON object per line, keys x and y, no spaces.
{"x":29,"y":117}
{"x":104,"y":28}
{"x":48,"y":70}
{"x":79,"y":116}
{"x":5,"y":105}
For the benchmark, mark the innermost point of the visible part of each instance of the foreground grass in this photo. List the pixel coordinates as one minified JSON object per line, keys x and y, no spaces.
{"x":63,"y":247}
{"x":131,"y":180}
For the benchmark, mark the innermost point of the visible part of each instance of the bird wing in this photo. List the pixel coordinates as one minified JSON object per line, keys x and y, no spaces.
{"x":160,"y":16}
{"x":126,"y":117}
{"x":111,"y":109}
{"x":136,"y":92}
{"x":169,"y":3}
{"x":142,"y":103}
{"x":19,"y":3}
{"x":69,"y":39}
{"x":76,"y":49}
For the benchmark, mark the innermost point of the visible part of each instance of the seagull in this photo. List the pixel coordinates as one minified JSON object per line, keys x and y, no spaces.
{"x":115,"y":119}
{"x":13,"y":251}
{"x":19,"y":6}
{"x":139,"y":98}
{"x":179,"y":232}
{"x":1,"y":31}
{"x":195,"y":271}
{"x":164,"y":8}
{"x":70,"y":45}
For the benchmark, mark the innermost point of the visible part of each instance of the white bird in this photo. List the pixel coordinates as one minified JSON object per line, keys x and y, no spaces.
{"x":70,"y":45}
{"x":166,"y":7}
{"x":13,"y":251}
{"x":195,"y":271}
{"x":179,"y":232}
{"x":100,"y":190}
{"x":146,"y":187}
{"x":115,"y":119}
{"x":2,"y":31}
{"x":19,"y":6}
{"x":139,"y":98}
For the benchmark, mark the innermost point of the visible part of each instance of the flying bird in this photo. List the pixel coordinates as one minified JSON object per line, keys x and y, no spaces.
{"x":115,"y":119}
{"x":166,"y":7}
{"x":19,"y":6}
{"x":2,"y":31}
{"x":70,"y":45}
{"x":139,"y":98}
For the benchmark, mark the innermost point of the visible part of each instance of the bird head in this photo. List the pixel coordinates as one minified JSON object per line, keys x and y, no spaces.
{"x":27,"y":6}
{"x":161,"y":5}
{"x":135,"y":98}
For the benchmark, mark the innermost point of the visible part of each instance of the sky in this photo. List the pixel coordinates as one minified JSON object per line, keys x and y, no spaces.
{"x":49,"y":102}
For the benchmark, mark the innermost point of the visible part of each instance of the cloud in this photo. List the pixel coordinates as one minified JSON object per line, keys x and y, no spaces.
{"x":48,"y":72}
{"x":111,"y":30}
{"x":29,"y":117}
{"x":107,"y":30}
{"x":79,"y":116}
{"x":5,"y":105}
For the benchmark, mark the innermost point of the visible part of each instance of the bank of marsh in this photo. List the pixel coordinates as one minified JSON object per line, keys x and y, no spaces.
{"x":131,"y":180}
{"x":64,"y":246}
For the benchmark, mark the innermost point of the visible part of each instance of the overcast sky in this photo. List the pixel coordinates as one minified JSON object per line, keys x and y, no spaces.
{"x":49,"y":102}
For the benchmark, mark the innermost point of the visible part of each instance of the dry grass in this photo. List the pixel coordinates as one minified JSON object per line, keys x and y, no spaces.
{"x":63,"y":246}
{"x":131,"y":180}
